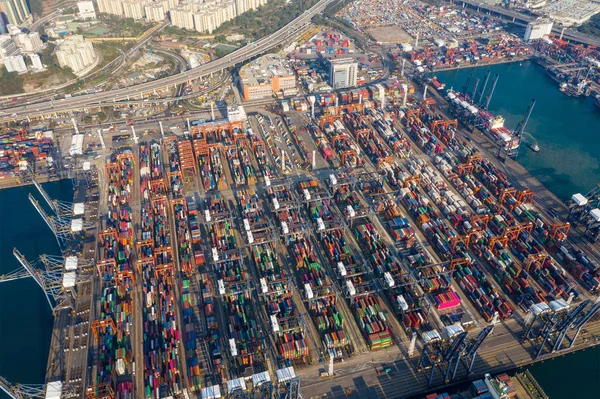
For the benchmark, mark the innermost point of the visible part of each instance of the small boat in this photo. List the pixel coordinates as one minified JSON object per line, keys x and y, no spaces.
{"x":534,"y":147}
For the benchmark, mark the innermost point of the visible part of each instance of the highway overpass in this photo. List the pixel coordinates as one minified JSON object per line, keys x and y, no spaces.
{"x":237,"y":57}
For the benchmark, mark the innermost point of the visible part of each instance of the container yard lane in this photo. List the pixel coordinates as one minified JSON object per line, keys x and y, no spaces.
{"x":113,"y":323}
{"x":222,"y":261}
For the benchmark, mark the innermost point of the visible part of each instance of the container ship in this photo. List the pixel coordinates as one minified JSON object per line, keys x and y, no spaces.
{"x":491,"y":126}
{"x":575,"y":88}
{"x":436,"y":84}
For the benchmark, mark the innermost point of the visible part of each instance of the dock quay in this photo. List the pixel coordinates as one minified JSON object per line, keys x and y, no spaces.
{"x":210,"y":273}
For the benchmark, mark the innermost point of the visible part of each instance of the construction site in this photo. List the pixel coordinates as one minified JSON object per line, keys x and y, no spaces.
{"x":278,"y":256}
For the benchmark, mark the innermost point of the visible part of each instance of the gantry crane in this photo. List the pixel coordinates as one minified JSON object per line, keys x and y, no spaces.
{"x":61,"y":209}
{"x":479,"y":96}
{"x":67,"y":230}
{"x":525,"y":197}
{"x":102,"y":391}
{"x":52,"y":280}
{"x":554,"y":331}
{"x":288,"y":384}
{"x":442,"y":357}
{"x":27,"y":391}
{"x":470,"y":353}
{"x":578,"y":325}
{"x":518,"y":132}
{"x":560,"y":231}
{"x":428,"y":103}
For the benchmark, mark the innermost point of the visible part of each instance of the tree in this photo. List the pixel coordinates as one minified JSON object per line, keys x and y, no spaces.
{"x":10,"y":82}
{"x":35,"y":6}
{"x":591,"y":27}
{"x":46,"y":55}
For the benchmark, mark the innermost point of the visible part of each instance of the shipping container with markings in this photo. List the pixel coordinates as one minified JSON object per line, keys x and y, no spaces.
{"x":113,"y":326}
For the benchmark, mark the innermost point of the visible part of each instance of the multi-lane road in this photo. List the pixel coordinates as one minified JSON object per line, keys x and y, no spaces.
{"x":104,"y":98}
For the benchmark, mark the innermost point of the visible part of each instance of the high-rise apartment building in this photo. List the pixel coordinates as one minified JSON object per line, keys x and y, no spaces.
{"x":113,"y":7}
{"x":134,"y":9}
{"x":76,"y":53}
{"x":16,"y":11}
{"x":182,"y":18}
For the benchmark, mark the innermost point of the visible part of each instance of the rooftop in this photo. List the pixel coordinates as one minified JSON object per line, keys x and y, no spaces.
{"x":265,"y":68}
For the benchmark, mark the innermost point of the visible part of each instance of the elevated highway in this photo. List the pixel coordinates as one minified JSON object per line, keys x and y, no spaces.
{"x":102,"y":98}
{"x":523,"y":19}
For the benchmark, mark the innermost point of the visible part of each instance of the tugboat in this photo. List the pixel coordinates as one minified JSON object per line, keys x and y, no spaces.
{"x":534,"y":147}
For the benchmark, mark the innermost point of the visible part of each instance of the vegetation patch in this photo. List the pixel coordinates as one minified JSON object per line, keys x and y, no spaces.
{"x":267,"y":19}
{"x":591,"y":27}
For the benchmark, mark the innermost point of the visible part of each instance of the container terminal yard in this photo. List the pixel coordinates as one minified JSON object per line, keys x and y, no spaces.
{"x":372,"y":242}
{"x":209,"y":264}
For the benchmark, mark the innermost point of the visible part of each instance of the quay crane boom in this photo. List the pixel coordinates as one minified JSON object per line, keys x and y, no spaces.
{"x":23,"y":391}
{"x":479,"y":96}
{"x":51,"y":281}
{"x":488,"y":98}
{"x":521,"y":126}
{"x":18,"y":391}
{"x":471,"y":350}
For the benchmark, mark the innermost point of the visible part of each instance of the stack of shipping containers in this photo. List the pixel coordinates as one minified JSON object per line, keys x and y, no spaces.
{"x":162,"y":376}
{"x":116,"y":270}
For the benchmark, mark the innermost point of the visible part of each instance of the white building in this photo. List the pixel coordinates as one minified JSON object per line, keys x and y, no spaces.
{"x":113,"y":7}
{"x":134,"y":9}
{"x":538,"y":29}
{"x":36,"y":62}
{"x":76,"y":53}
{"x":533,"y":4}
{"x":203,"y":22}
{"x":13,"y":29}
{"x":86,"y":9}
{"x":343,"y":72}
{"x":15,"y":63}
{"x":28,"y":42}
{"x":155,"y":12}
{"x":169,"y":4}
{"x":7,"y":47}
{"x":182,"y":18}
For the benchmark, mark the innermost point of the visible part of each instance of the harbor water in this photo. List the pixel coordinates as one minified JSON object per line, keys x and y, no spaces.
{"x":25,"y":317}
{"x":567,"y":129}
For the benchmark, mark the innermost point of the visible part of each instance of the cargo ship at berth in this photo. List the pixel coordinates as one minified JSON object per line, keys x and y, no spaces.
{"x":439,"y":86}
{"x":575,"y":88}
{"x":492,"y":126}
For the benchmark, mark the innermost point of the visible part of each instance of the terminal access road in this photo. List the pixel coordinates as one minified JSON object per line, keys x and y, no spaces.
{"x":103,"y":98}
